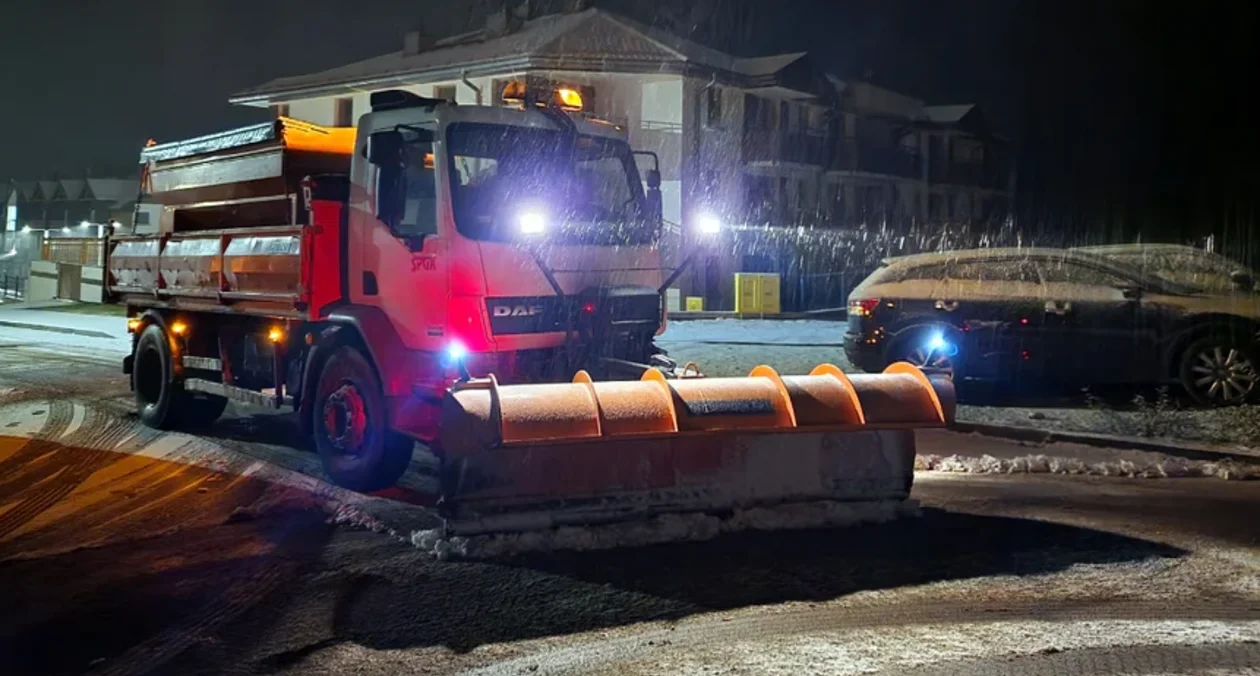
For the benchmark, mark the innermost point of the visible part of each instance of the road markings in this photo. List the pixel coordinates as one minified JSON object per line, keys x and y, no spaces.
{"x":77,"y":416}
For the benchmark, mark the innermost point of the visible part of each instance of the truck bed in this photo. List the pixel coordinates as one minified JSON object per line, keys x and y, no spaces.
{"x":236,"y":234}
{"x":290,"y":271}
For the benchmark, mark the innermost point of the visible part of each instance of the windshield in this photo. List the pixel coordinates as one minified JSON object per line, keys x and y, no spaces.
{"x":584,"y":190}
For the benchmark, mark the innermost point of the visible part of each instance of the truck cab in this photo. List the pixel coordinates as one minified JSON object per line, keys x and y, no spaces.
{"x":504,"y":234}
{"x":356,"y":275}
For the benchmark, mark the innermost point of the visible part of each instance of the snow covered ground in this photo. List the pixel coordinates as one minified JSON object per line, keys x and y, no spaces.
{"x":732,"y":347}
{"x":92,"y":336}
{"x":805,"y":332}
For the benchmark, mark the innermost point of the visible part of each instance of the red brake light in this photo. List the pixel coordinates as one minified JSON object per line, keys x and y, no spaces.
{"x":589,"y":308}
{"x":864,"y":307}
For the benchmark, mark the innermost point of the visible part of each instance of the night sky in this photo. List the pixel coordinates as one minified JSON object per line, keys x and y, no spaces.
{"x":1128,"y":116}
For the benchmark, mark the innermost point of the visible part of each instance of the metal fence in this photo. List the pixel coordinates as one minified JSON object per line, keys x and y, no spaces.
{"x":76,"y":250}
{"x":12,"y":287}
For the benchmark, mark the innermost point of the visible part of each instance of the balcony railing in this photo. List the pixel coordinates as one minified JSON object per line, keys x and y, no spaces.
{"x":877,"y":158}
{"x":800,"y":147}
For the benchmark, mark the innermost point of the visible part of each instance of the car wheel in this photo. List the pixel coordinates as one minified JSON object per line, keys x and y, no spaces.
{"x":1219,"y":371}
{"x":355,"y":445}
{"x":922,"y":351}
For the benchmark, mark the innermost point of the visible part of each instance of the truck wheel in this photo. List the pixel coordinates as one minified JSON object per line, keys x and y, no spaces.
{"x":199,"y":410}
{"x":1219,"y":370}
{"x":351,"y":433}
{"x":151,"y":379}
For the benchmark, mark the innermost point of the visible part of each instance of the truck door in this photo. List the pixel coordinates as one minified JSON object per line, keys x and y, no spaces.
{"x":397,"y":261}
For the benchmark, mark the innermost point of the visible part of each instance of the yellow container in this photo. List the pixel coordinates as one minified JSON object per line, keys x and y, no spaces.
{"x":695,"y":303}
{"x":757,"y":293}
{"x":747,"y":292}
{"x":769,"y":293}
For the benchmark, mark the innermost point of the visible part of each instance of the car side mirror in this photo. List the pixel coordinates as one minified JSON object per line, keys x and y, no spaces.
{"x":1131,"y":292}
{"x":1242,"y":280}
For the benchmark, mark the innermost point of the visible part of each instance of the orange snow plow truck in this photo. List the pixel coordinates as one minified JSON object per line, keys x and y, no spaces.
{"x":487,"y":282}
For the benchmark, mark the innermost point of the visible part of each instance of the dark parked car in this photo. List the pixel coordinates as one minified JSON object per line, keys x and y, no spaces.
{"x":1054,"y":315}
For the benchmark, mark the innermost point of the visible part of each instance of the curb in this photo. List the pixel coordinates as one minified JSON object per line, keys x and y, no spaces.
{"x":1186,"y":449}
{"x":58,"y":329}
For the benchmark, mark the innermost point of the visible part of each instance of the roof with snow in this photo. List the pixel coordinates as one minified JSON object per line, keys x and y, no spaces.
{"x":113,"y":190}
{"x":952,"y":114}
{"x":589,"y":40}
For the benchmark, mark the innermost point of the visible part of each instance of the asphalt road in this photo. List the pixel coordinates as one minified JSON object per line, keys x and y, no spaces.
{"x":126,"y":551}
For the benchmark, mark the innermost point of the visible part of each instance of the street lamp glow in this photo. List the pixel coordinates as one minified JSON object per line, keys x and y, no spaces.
{"x":65,"y":229}
{"x":84,"y":224}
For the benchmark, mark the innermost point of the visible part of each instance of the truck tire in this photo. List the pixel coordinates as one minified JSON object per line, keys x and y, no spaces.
{"x":156,"y":396}
{"x":352,"y":434}
{"x":1219,"y":370}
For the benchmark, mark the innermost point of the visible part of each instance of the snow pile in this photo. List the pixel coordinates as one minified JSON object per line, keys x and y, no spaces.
{"x":663,"y":528}
{"x":1160,"y":468}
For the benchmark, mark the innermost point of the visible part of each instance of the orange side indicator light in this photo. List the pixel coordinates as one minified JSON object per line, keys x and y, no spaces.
{"x":570,"y":99}
{"x":179,"y":328}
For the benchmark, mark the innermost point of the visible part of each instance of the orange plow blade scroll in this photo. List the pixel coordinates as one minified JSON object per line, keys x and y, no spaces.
{"x":528,"y":457}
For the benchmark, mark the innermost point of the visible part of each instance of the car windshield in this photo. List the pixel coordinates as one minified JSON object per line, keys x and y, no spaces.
{"x":582,"y":189}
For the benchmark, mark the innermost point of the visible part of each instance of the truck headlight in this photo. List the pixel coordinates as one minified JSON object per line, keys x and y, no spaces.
{"x":531,"y":222}
{"x":708,"y":224}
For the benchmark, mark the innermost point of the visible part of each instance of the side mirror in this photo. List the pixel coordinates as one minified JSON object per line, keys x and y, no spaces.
{"x":1242,"y":280}
{"x":1131,"y":292}
{"x":385,"y":148}
{"x":653,"y":179}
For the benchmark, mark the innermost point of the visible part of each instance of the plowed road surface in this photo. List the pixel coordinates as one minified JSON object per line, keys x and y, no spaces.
{"x":127,"y":551}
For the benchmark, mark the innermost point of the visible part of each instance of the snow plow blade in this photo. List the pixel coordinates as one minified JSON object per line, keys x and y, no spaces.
{"x":533,"y":457}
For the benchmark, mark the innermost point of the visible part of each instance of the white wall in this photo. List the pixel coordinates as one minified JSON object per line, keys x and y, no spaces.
{"x":92,"y":284}
{"x":41,"y":284}
{"x":319,"y":111}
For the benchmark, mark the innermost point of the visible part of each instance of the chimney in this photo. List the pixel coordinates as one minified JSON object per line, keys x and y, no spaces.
{"x":415,"y":42}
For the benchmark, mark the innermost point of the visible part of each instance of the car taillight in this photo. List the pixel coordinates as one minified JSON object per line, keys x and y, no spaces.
{"x":864,"y":307}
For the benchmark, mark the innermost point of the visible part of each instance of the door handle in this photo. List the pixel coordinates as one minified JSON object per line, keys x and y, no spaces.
{"x":1058,"y":307}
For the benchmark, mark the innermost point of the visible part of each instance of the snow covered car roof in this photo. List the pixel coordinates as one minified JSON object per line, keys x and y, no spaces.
{"x":1001,"y":253}
{"x":897,"y":266}
{"x":1177,"y":263}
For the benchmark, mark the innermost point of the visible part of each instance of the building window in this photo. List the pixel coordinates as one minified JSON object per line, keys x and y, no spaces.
{"x":343,"y":112}
{"x":280,"y":110}
{"x":445,"y":92}
{"x":713,"y":105}
{"x":142,"y":218}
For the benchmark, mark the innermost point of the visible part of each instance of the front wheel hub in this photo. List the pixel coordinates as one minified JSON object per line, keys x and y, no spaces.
{"x":1224,"y":374}
{"x":345,"y":419}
